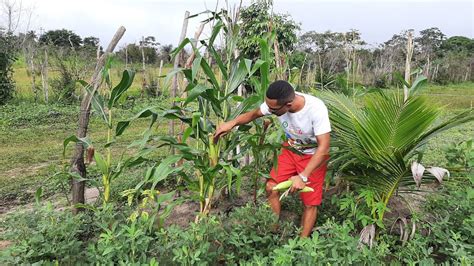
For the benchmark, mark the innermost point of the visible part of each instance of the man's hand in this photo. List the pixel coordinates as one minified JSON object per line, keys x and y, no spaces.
{"x":223,"y":129}
{"x":297,"y":183}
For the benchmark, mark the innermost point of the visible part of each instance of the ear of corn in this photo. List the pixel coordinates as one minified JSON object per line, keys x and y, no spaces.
{"x":213,"y":153}
{"x":287,"y":184}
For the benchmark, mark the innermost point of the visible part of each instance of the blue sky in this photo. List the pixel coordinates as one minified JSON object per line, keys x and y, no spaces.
{"x":376,"y":20}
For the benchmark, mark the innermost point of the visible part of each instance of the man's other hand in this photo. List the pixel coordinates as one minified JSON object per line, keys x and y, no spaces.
{"x":223,"y":129}
{"x":297,"y":183}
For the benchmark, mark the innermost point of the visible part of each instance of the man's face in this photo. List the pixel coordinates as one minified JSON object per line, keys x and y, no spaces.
{"x":277,"y":109}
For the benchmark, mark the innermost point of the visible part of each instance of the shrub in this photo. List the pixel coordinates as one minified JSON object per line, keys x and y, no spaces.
{"x":248,"y":233}
{"x":41,"y":235}
{"x":451,"y":222}
{"x":331,"y":244}
{"x":7,"y":58}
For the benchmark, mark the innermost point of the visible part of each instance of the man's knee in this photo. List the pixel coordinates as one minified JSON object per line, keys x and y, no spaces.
{"x":269,"y":188}
{"x":310,"y":208}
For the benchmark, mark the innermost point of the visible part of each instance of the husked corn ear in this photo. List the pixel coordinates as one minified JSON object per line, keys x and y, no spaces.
{"x":283,"y":185}
{"x":287,"y":184}
{"x":213,"y":155}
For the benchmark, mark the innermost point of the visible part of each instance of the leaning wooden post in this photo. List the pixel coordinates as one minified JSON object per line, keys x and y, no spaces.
{"x":77,"y":162}
{"x":407,"y":63}
{"x":174,"y":85}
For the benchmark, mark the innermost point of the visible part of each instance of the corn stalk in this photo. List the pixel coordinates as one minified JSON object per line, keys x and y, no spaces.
{"x":104,"y":110}
{"x":77,"y":163}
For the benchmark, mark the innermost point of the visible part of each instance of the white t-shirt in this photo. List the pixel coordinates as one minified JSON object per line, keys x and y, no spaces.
{"x":302,"y":127}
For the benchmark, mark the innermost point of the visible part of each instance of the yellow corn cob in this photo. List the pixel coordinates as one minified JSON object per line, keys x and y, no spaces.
{"x":286,"y":184}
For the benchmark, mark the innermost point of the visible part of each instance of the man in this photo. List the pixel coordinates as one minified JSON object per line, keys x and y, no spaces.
{"x":305,"y":120}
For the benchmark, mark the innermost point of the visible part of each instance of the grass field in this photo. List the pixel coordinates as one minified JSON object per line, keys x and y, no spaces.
{"x":31,"y":143}
{"x":23,"y":81}
{"x":456,"y":96}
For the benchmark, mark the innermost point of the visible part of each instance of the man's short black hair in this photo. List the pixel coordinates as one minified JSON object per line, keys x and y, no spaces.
{"x":281,"y":91}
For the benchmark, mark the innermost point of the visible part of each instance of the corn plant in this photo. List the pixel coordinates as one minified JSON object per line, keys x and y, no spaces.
{"x":210,"y":99}
{"x":103,"y":106}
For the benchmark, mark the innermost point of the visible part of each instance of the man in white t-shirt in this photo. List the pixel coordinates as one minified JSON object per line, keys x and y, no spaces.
{"x":304,"y":155}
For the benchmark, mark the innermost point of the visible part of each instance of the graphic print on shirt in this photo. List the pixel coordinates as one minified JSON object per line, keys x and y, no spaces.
{"x":297,"y":139}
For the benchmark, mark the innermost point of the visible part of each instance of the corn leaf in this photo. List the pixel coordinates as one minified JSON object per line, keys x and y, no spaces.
{"x":123,"y":86}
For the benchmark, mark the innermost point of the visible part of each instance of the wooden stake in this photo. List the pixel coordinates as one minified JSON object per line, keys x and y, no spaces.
{"x":142,"y":48}
{"x":44,"y":75}
{"x":409,"y":51}
{"x":159,"y":75}
{"x":174,"y":86}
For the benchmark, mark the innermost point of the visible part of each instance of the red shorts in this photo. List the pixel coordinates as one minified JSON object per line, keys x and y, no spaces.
{"x":290,"y":164}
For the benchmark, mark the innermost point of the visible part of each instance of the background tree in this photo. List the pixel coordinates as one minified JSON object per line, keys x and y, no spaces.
{"x":325,"y":56}
{"x":7,"y":58}
{"x":427,"y":46}
{"x":91,"y":41}
{"x":134,"y":54}
{"x":61,"y":38}
{"x":165,"y":53}
{"x":71,"y":59}
{"x":256,"y":21}
{"x":30,"y":49}
{"x":90,"y":46}
{"x":458,"y":44}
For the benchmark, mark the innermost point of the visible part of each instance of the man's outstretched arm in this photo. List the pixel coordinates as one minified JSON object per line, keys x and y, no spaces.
{"x":242,"y":119}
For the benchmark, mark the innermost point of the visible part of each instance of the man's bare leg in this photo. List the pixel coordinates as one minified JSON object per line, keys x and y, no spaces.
{"x":273,"y":198}
{"x":308,"y":219}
